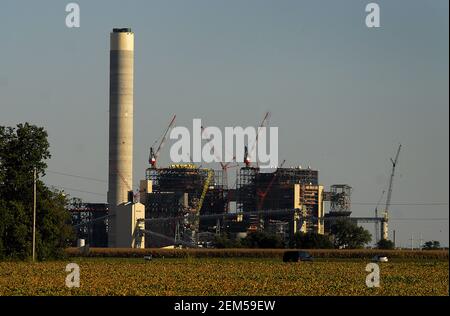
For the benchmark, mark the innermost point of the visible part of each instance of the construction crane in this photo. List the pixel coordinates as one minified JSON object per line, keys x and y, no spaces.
{"x":224,"y":165}
{"x":205,"y":190}
{"x":377,"y":224}
{"x":264,"y":122}
{"x":394,"y":163}
{"x":194,"y":216}
{"x":153,"y":157}
{"x":263,"y":195}
{"x":246,"y":158}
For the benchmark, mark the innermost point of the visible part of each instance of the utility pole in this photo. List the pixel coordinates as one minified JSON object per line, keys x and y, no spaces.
{"x":177,"y":235}
{"x":394,"y":238}
{"x":34,"y":213}
{"x":412,"y":242}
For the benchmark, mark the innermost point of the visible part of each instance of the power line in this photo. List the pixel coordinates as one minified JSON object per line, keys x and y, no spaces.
{"x":406,"y":203}
{"x":401,"y":204}
{"x":419,"y":219}
{"x":353,"y":203}
{"x":77,"y":190}
{"x":76,"y":176}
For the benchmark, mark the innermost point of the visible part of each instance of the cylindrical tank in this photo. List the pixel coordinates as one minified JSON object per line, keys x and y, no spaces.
{"x":384,"y":230}
{"x":121,"y":74}
{"x":384,"y":226}
{"x":241,"y":235}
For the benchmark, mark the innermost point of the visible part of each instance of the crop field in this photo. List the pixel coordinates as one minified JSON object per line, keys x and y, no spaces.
{"x":366,"y":254}
{"x":224,"y":276}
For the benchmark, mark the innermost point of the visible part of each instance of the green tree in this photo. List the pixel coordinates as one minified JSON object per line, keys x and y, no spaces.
{"x":21,"y":150}
{"x":431,"y":245}
{"x":15,"y":222}
{"x":262,"y":240}
{"x":223,"y":241}
{"x":385,"y":244}
{"x":347,"y":234}
{"x":311,"y":241}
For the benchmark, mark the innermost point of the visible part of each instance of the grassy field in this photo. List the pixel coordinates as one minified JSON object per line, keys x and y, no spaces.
{"x":224,"y":276}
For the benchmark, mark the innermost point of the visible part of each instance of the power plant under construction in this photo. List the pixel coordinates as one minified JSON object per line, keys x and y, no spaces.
{"x":185,"y":205}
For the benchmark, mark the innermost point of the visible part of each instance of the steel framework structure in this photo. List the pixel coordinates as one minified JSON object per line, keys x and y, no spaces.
{"x":90,"y":222}
{"x":177,"y":192}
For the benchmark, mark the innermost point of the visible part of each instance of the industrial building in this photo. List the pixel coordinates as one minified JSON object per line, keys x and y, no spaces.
{"x":180,"y":194}
{"x":90,"y":221}
{"x":187,"y":205}
{"x":283,"y":189}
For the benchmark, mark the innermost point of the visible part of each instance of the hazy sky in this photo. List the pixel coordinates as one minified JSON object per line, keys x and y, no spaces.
{"x":342,"y":95}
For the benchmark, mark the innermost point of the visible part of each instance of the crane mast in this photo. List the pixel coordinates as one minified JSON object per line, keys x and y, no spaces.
{"x":391,"y":180}
{"x":377,"y":231}
{"x":384,"y":226}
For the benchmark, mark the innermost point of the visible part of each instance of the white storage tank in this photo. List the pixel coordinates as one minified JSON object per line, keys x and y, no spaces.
{"x":81,"y":243}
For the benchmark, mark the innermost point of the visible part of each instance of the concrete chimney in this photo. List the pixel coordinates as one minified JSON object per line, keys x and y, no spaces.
{"x":121,"y":74}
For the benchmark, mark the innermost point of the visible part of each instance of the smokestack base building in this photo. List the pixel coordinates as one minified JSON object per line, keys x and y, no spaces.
{"x":124,"y":214}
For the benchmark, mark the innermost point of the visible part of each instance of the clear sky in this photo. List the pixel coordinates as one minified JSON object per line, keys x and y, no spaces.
{"x":342,"y":95}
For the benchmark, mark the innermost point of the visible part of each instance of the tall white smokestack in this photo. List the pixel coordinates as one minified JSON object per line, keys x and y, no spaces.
{"x":121,"y":74}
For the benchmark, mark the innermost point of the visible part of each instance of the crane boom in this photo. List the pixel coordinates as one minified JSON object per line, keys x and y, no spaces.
{"x":161,"y":145}
{"x":205,"y":189}
{"x":155,"y":154}
{"x":391,"y":180}
{"x":263,"y":123}
{"x":269,"y":187}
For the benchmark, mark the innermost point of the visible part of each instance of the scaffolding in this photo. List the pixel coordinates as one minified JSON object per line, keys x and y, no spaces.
{"x":311,"y":202}
{"x":90,"y":223}
{"x":270,"y":190}
{"x":276,"y":190}
{"x":340,"y":199}
{"x":176,"y":194}
{"x":246,"y":189}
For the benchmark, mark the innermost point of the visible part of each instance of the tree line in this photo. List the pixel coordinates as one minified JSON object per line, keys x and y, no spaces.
{"x":344,"y":233}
